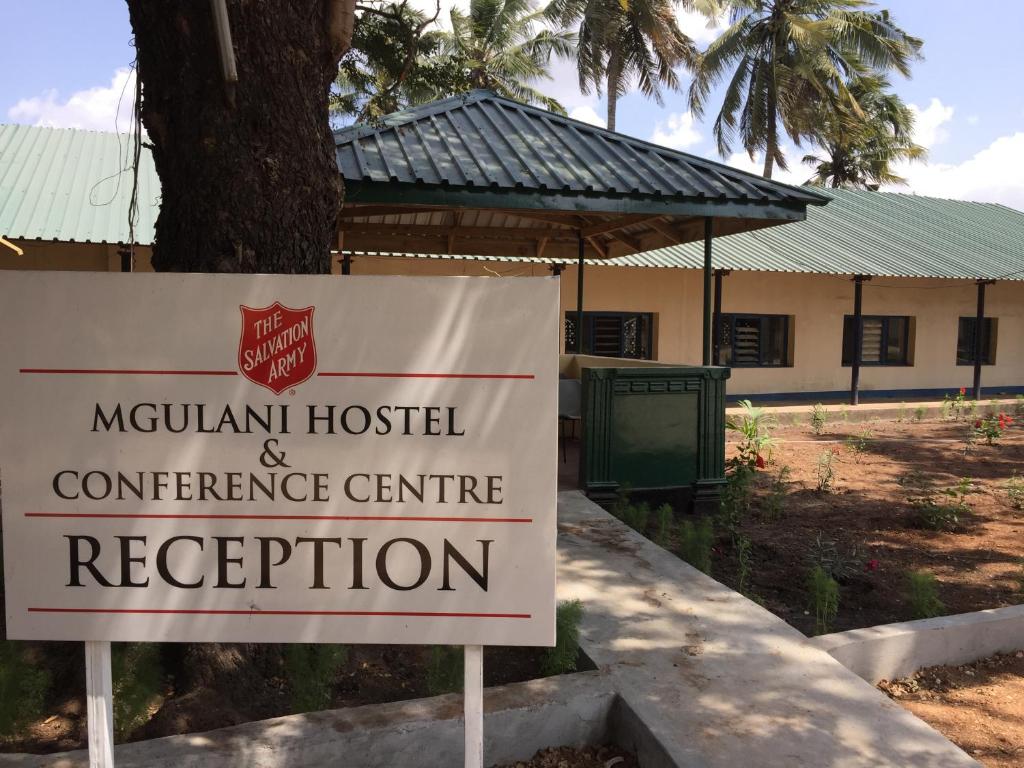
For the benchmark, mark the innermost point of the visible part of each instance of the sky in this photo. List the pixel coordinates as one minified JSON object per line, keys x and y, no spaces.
{"x":66,"y":63}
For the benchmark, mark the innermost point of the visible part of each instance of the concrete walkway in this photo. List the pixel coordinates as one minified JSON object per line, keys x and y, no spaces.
{"x":800,"y":413}
{"x":718,"y":680}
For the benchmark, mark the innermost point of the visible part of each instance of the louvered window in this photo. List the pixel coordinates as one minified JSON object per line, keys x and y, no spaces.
{"x":885,"y":340}
{"x":612,"y":334}
{"x":748,"y":341}
{"x":965,"y":341}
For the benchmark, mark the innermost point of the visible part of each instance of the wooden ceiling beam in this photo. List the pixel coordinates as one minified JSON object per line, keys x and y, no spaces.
{"x":607,"y":227}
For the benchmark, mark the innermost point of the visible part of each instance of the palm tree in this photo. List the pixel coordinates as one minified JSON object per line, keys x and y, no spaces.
{"x":859,"y":150}
{"x":782,"y":55}
{"x":621,"y":42}
{"x":501,"y":48}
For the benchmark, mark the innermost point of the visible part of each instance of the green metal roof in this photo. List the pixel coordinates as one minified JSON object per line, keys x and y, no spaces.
{"x":479,"y":142}
{"x":73,"y":186}
{"x":882,"y":234}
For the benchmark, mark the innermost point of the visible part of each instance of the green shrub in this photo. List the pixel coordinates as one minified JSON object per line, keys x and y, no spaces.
{"x":819,"y":417}
{"x":923,"y":595}
{"x":737,"y":495}
{"x":919,"y":413}
{"x":621,"y":503}
{"x":695,"y":543}
{"x":311,"y":669}
{"x":23,"y":687}
{"x":901,"y":414}
{"x":859,"y":443}
{"x":826,"y":474}
{"x":562,"y":658}
{"x":824,"y":553}
{"x":445,"y":669}
{"x":664,"y":517}
{"x":754,"y":427}
{"x":774,"y":502}
{"x":824,"y":593}
{"x":935,"y":516}
{"x":1015,"y":492}
{"x":138,"y":680}
{"x":636,"y":516}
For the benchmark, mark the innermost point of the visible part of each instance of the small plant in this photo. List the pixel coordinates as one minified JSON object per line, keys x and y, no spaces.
{"x":737,"y":495}
{"x":445,"y":669}
{"x":844,"y":412}
{"x":664,"y":517}
{"x":311,"y":669}
{"x":901,"y":414}
{"x":1015,"y":492}
{"x":824,"y":553}
{"x":636,"y":516}
{"x":754,"y":426}
{"x":562,"y":657}
{"x":774,"y":502}
{"x":137,"y":677}
{"x":826,"y":474}
{"x":923,"y":595}
{"x":824,"y":592}
{"x":955,"y":407}
{"x":1018,"y":406}
{"x":859,"y":443}
{"x":23,"y":687}
{"x":919,"y":413}
{"x":991,"y":428}
{"x":819,"y":417}
{"x":937,"y":515}
{"x":695,"y":542}
{"x":745,"y":559}
{"x":621,"y":503}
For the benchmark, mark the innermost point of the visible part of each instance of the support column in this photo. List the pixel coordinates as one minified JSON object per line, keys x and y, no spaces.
{"x":346,"y":263}
{"x":979,"y":337}
{"x":580,"y":346}
{"x":716,"y":324}
{"x":707,"y":291}
{"x":858,"y":338}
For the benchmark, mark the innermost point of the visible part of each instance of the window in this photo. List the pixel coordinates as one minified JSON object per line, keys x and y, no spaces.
{"x":885,"y":340}
{"x":965,"y":341}
{"x":612,"y":334}
{"x":747,"y":341}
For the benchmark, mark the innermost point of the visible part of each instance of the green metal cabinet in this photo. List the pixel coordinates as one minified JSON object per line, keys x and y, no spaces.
{"x":656,"y":428}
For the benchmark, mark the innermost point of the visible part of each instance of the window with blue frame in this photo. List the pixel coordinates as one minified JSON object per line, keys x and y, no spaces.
{"x":754,"y":341}
{"x":885,"y":340}
{"x":612,"y":334}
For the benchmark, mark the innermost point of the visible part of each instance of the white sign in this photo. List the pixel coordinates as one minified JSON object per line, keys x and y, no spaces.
{"x":263,"y":458}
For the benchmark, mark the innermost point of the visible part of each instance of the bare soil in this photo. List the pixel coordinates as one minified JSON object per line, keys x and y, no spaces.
{"x":979,"y":707}
{"x":212,"y":686}
{"x":570,"y":757}
{"x":868,"y":514}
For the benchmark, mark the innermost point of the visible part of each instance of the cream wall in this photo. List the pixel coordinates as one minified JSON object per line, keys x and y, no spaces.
{"x":816,"y":302}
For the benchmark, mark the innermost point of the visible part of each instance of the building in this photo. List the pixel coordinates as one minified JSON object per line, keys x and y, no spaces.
{"x":785,"y":294}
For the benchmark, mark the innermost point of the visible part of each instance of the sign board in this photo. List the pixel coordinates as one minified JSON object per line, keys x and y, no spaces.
{"x":279,"y":459}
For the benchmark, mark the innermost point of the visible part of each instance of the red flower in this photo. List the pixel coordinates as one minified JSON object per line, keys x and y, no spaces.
{"x":1009,"y":419}
{"x":760,"y":462}
{"x":977,"y":424}
{"x":871,"y":565}
{"x":963,"y":390}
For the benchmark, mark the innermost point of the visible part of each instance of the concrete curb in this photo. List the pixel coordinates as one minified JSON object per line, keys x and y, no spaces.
{"x":896,"y":650}
{"x":519,"y":719}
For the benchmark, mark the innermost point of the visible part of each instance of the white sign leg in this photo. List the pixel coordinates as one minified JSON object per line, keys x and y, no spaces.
{"x":474,"y":695}
{"x":99,"y":696}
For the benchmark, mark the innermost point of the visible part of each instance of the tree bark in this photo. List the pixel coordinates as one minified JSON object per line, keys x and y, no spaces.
{"x":247,"y":172}
{"x":772,"y":142}
{"x":613,"y":88}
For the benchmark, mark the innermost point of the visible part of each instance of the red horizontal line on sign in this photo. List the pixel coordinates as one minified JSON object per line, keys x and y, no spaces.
{"x":214,"y":612}
{"x":126,"y":372}
{"x":341,"y":374}
{"x":381,"y":518}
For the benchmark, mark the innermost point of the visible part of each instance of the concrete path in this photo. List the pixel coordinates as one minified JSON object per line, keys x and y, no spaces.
{"x":718,"y":680}
{"x":800,"y":413}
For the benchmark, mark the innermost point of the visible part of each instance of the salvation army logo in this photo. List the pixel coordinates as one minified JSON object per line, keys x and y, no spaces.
{"x":277,"y":349}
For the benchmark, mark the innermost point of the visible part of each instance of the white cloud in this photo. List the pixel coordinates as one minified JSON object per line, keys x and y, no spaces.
{"x":797,"y":173}
{"x":973,"y":119}
{"x":677,"y":132}
{"x":587,"y":114}
{"x":930,"y":123}
{"x":93,"y":108}
{"x":698,"y":28}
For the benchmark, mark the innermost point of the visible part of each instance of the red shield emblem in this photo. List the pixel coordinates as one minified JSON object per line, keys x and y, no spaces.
{"x":277,"y":349}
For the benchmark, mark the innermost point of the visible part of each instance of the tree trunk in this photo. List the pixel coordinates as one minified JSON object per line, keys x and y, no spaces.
{"x":613,"y":88}
{"x":772,"y":133}
{"x":247,"y":172}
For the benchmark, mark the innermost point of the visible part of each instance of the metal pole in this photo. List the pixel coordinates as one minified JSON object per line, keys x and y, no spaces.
{"x":580,"y":347}
{"x":716,"y":325}
{"x":858,"y":338}
{"x":979,"y":330}
{"x":473,"y":686}
{"x":99,"y":702}
{"x":707,"y":291}
{"x":346,"y":263}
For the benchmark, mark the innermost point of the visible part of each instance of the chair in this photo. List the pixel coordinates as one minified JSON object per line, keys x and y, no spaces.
{"x":569,"y":406}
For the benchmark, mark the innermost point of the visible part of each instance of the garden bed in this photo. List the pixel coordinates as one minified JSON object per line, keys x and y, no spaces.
{"x":979,"y":707}
{"x":867,"y":527}
{"x":570,"y":757}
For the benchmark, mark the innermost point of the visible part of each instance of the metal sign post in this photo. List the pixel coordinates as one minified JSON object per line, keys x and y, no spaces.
{"x":473,"y":686}
{"x":99,"y":696}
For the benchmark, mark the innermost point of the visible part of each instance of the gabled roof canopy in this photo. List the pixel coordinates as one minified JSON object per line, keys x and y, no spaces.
{"x":480,"y":174}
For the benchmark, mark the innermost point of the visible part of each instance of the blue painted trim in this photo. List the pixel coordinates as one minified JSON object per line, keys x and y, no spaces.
{"x":873,"y":394}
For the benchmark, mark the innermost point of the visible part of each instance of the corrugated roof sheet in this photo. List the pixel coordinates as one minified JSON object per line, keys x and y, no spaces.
{"x":882,"y":234}
{"x":72,"y":185}
{"x":480,"y":140}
